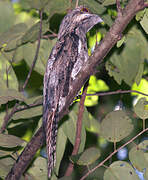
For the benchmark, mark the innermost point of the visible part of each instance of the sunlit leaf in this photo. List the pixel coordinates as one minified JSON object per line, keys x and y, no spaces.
{"x":141,"y":108}
{"x":95,"y":85}
{"x":142,"y":87}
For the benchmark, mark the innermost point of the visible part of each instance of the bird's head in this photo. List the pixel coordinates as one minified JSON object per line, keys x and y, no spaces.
{"x":79,"y":19}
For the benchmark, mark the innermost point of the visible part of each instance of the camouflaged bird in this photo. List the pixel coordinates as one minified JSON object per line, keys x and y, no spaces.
{"x":65,"y":61}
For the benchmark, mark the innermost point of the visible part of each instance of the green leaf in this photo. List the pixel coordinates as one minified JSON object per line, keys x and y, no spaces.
{"x":127,"y":63}
{"x":10,"y":141}
{"x":39,"y":169}
{"x":5,"y":153}
{"x":7,"y":16}
{"x":109,"y":2}
{"x":27,"y":52}
{"x":146,"y":174}
{"x":12,"y":79}
{"x":32,"y":33}
{"x":57,"y":6}
{"x":94,"y":126}
{"x":120,"y":42}
{"x":95,"y":85}
{"x":69,"y":128}
{"x":60,"y":148}
{"x":120,"y":170}
{"x":11,"y":37}
{"x":5,"y":166}
{"x":115,"y":126}
{"x":28,"y":113}
{"x":9,"y":95}
{"x":144,"y":21}
{"x":142,"y":87}
{"x":138,"y":155}
{"x":37,"y":4}
{"x":89,"y":156}
{"x":141,"y":108}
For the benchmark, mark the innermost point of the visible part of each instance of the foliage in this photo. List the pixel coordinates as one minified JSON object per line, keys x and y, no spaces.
{"x":21,"y":109}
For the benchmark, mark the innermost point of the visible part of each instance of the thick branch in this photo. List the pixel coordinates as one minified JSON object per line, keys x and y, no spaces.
{"x":97,"y":57}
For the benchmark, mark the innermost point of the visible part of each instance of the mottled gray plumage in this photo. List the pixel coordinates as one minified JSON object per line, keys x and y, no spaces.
{"x":65,"y":61}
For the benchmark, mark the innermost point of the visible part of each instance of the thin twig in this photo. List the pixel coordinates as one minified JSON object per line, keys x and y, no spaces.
{"x":78,"y":131}
{"x":7,"y":118}
{"x":100,"y":164}
{"x":116,"y":92}
{"x":36,"y":54}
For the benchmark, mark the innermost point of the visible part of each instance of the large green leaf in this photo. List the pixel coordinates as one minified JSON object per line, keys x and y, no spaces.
{"x":69,"y":128}
{"x":57,"y":6}
{"x":60,"y":148}
{"x":37,"y":4}
{"x":28,"y":113}
{"x":138,"y":156}
{"x":9,"y":95}
{"x":39,"y":169}
{"x":10,"y":38}
{"x":5,"y":166}
{"x":115,"y":126}
{"x":32,"y":33}
{"x":127,"y":62}
{"x":120,"y":170}
{"x":10,"y":141}
{"x":27,"y":52}
{"x":7,"y":16}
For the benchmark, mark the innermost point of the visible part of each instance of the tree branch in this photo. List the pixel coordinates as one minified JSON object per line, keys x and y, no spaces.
{"x":36,"y":54}
{"x":88,"y":69}
{"x":78,"y":131}
{"x":102,"y":162}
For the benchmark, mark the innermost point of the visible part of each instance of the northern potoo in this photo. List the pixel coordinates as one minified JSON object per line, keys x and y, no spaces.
{"x":65,"y":61}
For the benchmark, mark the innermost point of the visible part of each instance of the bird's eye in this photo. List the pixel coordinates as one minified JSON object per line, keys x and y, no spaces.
{"x":84,"y":10}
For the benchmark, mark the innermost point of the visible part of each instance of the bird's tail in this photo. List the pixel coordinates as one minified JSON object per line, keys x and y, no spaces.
{"x":51,"y":127}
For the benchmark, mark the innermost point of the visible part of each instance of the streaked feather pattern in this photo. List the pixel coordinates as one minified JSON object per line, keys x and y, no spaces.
{"x":65,"y":61}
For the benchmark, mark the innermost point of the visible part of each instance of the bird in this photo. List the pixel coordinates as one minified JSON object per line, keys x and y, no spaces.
{"x":64,"y":63}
